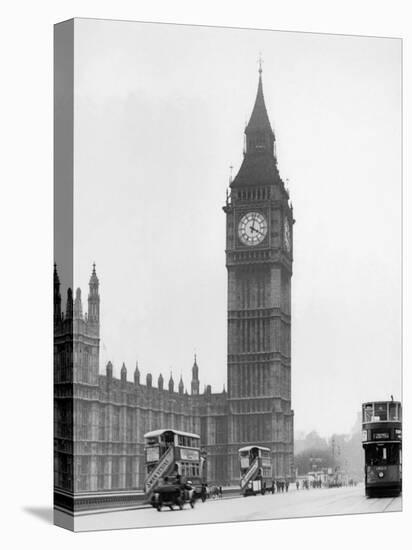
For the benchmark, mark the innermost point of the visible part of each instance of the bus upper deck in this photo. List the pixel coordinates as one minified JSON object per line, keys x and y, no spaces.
{"x":381,"y":411}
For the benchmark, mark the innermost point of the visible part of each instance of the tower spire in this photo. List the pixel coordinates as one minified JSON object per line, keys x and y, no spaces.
{"x":137,"y":375}
{"x":194,"y":385}
{"x":57,"y":297}
{"x":93,"y":313}
{"x":78,"y":309}
{"x":259,"y":166}
{"x":69,"y":304}
{"x":171,"y":383}
{"x":260,"y":60}
{"x":181,"y":386}
{"x":259,"y":122}
{"x":123,"y":374}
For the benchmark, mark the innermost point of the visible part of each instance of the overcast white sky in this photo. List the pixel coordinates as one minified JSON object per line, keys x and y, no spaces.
{"x":159,"y":118}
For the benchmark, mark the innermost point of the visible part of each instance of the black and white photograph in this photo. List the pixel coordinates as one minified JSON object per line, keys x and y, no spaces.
{"x":227,"y":281}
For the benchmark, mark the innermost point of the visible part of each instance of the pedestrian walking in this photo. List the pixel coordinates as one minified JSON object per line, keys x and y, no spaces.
{"x":203,"y":492}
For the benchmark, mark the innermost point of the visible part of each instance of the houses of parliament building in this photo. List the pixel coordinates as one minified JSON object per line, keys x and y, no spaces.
{"x":100,"y":420}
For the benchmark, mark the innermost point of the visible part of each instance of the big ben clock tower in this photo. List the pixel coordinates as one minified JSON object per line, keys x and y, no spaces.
{"x":259,"y":255}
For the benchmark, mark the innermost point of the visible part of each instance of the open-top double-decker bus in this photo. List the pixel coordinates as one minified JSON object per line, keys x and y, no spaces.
{"x":255,"y":470}
{"x":382,"y":444}
{"x":172,"y":453}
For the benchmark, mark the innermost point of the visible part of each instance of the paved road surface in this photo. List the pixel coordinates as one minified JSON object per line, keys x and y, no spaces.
{"x":314,"y":502}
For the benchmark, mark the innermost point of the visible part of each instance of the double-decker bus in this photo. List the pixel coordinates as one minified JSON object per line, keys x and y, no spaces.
{"x":255,"y":470}
{"x":171,"y":453}
{"x":382,"y":443}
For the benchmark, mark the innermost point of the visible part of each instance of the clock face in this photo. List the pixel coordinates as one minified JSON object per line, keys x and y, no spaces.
{"x":287,"y":239}
{"x":252,"y":228}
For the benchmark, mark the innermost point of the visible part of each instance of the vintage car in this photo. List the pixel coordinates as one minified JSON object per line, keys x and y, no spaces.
{"x":172,"y":493}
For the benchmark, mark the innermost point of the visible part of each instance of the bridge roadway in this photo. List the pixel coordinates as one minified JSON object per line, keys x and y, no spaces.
{"x":294,"y":504}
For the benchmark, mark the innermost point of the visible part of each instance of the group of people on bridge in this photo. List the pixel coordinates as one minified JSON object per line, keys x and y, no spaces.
{"x":282,"y":485}
{"x":306,"y":484}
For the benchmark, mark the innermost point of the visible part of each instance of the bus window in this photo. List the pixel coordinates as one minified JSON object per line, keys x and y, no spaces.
{"x":167,"y":438}
{"x":381,"y":411}
{"x":393,"y":411}
{"x":152,"y":454}
{"x":393,"y":454}
{"x":380,"y":455}
{"x":244,"y":460}
{"x":150,"y":467}
{"x":367,"y":413}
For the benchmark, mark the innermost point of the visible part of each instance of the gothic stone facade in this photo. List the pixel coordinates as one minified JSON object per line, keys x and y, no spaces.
{"x":100,"y":420}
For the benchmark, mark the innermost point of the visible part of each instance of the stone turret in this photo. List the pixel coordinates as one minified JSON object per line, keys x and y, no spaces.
{"x":194,"y":385}
{"x":69,"y":304}
{"x":109,"y":374}
{"x":78,"y":308}
{"x":123,"y":374}
{"x":137,"y":375}
{"x":57,"y":299}
{"x":94,"y":299}
{"x":171,"y":384}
